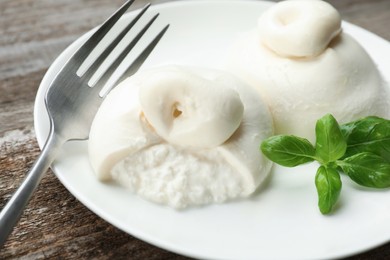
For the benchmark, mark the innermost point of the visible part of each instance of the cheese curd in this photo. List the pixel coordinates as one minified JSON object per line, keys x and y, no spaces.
{"x":304,"y":66}
{"x":181,"y":136}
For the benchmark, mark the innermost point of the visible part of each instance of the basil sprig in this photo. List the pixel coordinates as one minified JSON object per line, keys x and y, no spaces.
{"x":360,"y":149}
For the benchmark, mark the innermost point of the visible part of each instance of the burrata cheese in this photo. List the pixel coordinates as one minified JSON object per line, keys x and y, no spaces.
{"x":181,"y":136}
{"x":304,"y":65}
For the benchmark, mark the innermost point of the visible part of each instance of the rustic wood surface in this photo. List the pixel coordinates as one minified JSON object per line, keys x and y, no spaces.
{"x":55,"y":225}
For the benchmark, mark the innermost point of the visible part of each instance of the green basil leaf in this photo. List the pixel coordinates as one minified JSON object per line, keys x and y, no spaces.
{"x":367,"y":169}
{"x":328,"y":184}
{"x":288,"y":150}
{"x":356,"y":130}
{"x":330,"y":142}
{"x":369,"y":134}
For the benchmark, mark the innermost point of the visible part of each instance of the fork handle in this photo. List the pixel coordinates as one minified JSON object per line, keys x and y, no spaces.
{"x":13,"y":210}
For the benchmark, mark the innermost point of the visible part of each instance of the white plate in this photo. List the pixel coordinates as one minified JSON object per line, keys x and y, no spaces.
{"x":281,"y":221}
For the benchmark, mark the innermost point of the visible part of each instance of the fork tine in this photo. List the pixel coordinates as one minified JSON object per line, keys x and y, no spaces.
{"x":96,"y":64}
{"x":126,"y":51}
{"x":82,"y":53}
{"x":134,"y":66}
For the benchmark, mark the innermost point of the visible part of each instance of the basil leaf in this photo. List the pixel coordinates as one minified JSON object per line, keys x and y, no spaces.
{"x":367,"y":169}
{"x":328,"y":184}
{"x":356,"y":130}
{"x":330,"y":142}
{"x":369,"y":134}
{"x":288,"y":150}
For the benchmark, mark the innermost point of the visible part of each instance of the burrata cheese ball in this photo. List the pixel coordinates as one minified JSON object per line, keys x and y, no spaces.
{"x":304,"y":66}
{"x":182,"y":136}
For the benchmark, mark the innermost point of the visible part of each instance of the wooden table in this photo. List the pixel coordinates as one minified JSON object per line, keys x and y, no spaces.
{"x":55,"y":225}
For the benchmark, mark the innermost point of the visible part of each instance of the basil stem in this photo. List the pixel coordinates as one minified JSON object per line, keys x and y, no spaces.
{"x":330,"y":142}
{"x":288,"y":150}
{"x":328,"y":184}
{"x":367,"y":169}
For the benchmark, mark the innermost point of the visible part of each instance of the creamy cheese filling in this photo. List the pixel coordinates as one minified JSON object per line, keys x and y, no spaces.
{"x":179,"y":177}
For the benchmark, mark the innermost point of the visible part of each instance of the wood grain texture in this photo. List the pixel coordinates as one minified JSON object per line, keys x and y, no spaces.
{"x":55,"y":225}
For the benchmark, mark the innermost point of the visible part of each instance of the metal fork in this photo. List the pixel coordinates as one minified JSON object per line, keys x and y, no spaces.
{"x":72,"y":104}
